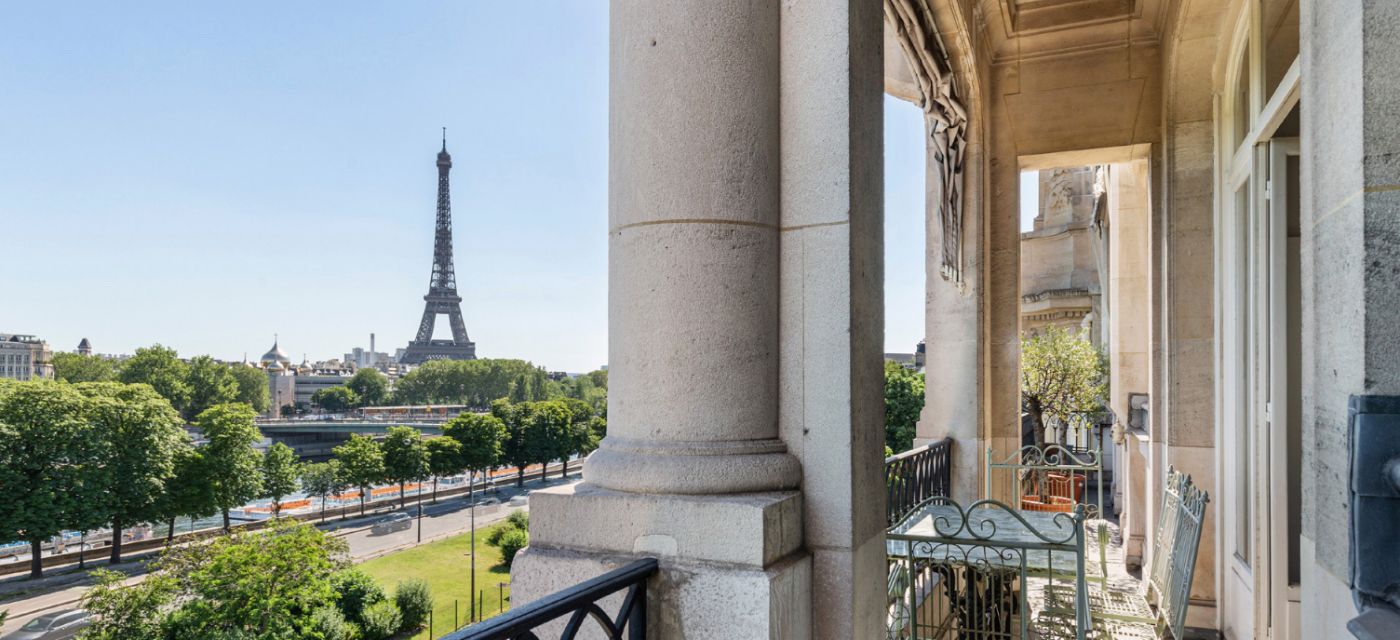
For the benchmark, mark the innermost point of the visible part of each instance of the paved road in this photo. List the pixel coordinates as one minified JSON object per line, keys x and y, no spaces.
{"x":448,"y":517}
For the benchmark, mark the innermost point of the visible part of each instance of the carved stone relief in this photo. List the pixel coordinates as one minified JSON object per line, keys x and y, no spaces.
{"x":912,"y":23}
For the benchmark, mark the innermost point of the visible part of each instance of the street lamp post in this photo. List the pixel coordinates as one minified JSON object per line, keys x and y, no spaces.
{"x":471,"y":492}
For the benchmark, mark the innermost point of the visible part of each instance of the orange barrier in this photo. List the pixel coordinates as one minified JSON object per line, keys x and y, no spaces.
{"x":1052,"y":503}
{"x":1059,"y":485}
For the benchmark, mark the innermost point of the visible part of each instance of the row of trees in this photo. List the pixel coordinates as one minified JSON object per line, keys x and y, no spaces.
{"x":479,"y":382}
{"x":513,"y":434}
{"x":80,"y":457}
{"x":190,"y":387}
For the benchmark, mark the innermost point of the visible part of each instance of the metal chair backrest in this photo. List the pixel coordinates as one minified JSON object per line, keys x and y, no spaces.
{"x":1178,"y":542}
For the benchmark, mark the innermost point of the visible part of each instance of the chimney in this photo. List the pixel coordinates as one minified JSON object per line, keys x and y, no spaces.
{"x":371,"y":350}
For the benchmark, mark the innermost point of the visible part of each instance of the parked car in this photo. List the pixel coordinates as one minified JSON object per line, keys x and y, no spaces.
{"x":55,"y":625}
{"x":394,"y":522}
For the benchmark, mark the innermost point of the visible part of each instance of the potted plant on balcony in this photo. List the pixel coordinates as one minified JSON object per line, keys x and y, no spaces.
{"x":1063,"y":379}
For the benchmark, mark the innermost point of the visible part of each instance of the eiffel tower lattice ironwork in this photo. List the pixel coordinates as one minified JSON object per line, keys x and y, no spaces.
{"x":442,"y":298}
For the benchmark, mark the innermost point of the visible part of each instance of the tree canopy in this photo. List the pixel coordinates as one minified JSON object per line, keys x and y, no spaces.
{"x":904,"y":400}
{"x":370,"y":386}
{"x":266,"y":584}
{"x":405,"y":457}
{"x":45,"y":440}
{"x":280,"y":474}
{"x":252,"y":387}
{"x":335,"y":399}
{"x":138,"y":438}
{"x":470,"y":382}
{"x":1062,"y":375}
{"x":481,"y":437}
{"x":322,"y":480}
{"x":361,"y":463}
{"x":444,"y":459}
{"x":210,"y":383}
{"x":233,"y":466}
{"x":77,"y":367}
{"x":161,"y":368}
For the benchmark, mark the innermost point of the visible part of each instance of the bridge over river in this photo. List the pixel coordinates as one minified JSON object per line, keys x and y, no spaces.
{"x":347,"y":426}
{"x":313,"y":439}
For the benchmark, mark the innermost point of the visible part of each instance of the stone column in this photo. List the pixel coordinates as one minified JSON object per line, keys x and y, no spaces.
{"x":692,"y":471}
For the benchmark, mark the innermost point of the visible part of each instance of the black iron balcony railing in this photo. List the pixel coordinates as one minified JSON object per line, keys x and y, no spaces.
{"x":915,"y":476}
{"x":579,"y":603}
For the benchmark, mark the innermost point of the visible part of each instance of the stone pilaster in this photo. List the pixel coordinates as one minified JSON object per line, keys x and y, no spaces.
{"x":1350,"y":254}
{"x":831,"y":395}
{"x":955,"y":373}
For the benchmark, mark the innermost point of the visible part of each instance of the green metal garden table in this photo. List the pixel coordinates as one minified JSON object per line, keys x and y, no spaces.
{"x":980,"y":557}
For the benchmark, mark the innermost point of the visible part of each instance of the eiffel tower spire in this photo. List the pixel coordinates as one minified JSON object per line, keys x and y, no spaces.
{"x":442,"y":298}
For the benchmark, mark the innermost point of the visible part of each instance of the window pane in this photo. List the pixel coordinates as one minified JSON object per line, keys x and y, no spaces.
{"x":1244,"y":417}
{"x":1280,"y":37}
{"x":1240,"y":99}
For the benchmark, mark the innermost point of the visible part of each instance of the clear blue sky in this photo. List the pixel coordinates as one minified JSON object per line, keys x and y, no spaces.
{"x":206,"y":175}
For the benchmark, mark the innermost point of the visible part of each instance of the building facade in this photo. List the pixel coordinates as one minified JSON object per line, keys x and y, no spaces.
{"x":1252,"y":249}
{"x":24,"y":357}
{"x":1062,"y":261}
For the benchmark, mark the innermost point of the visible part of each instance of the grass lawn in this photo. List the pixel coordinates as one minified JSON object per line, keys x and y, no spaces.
{"x":445,"y":565}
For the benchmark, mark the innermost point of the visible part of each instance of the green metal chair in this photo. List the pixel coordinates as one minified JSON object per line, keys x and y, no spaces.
{"x":1162,"y":608}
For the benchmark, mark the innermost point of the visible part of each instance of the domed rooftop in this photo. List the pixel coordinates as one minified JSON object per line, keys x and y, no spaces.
{"x":275,"y":354}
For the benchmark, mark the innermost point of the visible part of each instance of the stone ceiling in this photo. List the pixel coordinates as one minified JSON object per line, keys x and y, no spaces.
{"x":1031,"y":29}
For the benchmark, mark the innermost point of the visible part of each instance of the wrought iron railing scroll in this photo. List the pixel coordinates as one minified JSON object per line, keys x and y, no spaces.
{"x":579,"y":603}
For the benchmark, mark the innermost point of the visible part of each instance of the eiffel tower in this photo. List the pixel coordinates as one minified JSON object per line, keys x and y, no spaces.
{"x":442,"y":298}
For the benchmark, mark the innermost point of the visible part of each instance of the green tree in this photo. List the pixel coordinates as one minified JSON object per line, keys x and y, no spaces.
{"x":161,"y":368}
{"x":77,"y":367}
{"x":252,"y":387}
{"x":591,"y":388}
{"x":138,"y":437}
{"x":233,"y":466}
{"x":471,"y":382}
{"x":370,"y":386}
{"x":45,"y":451}
{"x":444,"y":459}
{"x":322,"y":480}
{"x":210,"y":383}
{"x":405,"y":457}
{"x":1062,"y":375}
{"x":280,"y":473}
{"x":254,"y":584}
{"x":904,"y":400}
{"x":121,"y":613}
{"x":580,"y":437}
{"x":362,"y":463}
{"x":481,"y":436}
{"x":522,"y":390}
{"x":524,"y":443}
{"x":187,"y":493}
{"x":335,"y":399}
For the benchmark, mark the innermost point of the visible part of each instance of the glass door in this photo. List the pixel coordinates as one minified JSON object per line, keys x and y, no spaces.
{"x":1282,"y":425}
